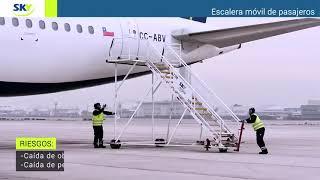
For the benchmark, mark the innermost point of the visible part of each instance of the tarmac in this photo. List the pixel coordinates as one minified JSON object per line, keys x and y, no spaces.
{"x":294,"y":148}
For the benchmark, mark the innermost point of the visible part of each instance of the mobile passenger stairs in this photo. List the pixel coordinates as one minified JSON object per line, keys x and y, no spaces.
{"x":196,"y":97}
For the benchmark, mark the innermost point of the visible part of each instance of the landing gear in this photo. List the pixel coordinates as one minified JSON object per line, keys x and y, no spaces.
{"x":160,"y":142}
{"x":114,"y":144}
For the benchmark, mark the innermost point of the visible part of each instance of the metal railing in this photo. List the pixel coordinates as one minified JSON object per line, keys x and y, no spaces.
{"x":199,"y":89}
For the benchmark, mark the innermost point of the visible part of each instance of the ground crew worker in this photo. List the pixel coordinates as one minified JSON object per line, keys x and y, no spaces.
{"x":258,"y":126}
{"x":97,"y":122}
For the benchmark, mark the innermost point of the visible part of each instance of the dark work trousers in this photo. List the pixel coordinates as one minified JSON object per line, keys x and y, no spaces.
{"x":98,"y":134}
{"x":260,"y":134}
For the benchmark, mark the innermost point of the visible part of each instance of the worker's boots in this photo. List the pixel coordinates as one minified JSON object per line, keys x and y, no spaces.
{"x":95,"y":145}
{"x":264,"y":150}
{"x":101,"y":145}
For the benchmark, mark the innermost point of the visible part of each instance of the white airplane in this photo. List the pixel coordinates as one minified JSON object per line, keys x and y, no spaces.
{"x":50,"y":55}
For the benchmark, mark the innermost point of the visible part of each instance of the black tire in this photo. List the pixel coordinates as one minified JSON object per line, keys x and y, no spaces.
{"x":223,"y":150}
{"x":200,"y":142}
{"x":114,"y":144}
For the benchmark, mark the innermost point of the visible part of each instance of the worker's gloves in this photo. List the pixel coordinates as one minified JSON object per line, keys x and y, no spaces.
{"x":241,"y":121}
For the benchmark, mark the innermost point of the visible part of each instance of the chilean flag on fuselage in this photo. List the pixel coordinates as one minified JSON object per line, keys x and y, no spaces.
{"x":107,"y":33}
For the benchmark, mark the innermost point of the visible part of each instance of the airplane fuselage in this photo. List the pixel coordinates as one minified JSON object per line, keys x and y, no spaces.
{"x":50,"y":55}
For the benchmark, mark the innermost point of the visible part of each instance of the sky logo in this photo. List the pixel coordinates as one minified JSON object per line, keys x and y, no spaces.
{"x":23,"y":9}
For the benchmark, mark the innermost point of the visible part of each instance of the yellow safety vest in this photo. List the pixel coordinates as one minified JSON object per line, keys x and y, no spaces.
{"x":258,"y":123}
{"x":98,"y":119}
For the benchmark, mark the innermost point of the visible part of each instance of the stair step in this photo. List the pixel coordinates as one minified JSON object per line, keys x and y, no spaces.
{"x":229,"y":143}
{"x":162,"y":67}
{"x":210,"y":118}
{"x":197,"y":103}
{"x":165,"y":71}
{"x":225,"y":137}
{"x":206,"y":114}
{"x":223,"y":131}
{"x":201,"y":109}
{"x":167,"y":77}
{"x":214,"y":125}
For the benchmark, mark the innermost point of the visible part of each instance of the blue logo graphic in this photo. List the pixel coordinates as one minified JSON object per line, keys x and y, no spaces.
{"x":23,"y":9}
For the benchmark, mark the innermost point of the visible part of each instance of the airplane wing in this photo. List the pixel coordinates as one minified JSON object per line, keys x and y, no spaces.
{"x":233,"y":36}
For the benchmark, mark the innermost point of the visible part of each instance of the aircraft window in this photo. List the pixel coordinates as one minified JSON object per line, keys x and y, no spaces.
{"x":67,"y":27}
{"x":79,"y":28}
{"x":2,"y":21}
{"x":15,"y":22}
{"x":91,"y":30}
{"x":28,"y":23}
{"x":55,"y":26}
{"x":42,"y":24}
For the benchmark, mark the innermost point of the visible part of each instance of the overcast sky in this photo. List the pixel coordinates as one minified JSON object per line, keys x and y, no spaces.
{"x":282,"y":70}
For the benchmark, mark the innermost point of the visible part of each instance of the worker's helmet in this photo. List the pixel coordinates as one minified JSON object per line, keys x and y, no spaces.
{"x":252,"y":110}
{"x":97,"y":105}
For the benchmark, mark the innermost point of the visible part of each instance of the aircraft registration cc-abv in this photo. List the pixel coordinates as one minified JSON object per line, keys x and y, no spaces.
{"x":45,"y":55}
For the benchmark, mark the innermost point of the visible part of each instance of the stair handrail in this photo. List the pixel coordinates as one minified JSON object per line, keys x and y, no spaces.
{"x":217,"y":116}
{"x":235,"y":117}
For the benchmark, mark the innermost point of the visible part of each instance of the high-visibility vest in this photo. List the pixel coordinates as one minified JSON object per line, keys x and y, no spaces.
{"x":258,"y":123}
{"x":97,"y":120}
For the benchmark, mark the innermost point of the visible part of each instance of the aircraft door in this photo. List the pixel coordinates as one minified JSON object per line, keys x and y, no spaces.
{"x":113,"y":36}
{"x":130,"y":38}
